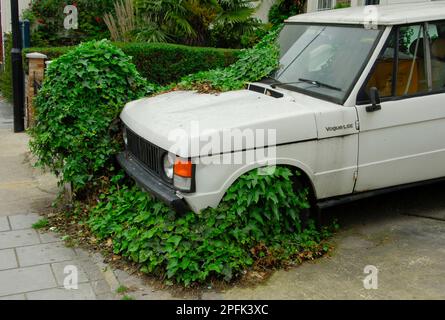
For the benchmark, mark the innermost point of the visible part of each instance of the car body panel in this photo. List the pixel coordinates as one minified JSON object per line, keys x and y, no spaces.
{"x":402,"y":143}
{"x":184,"y":122}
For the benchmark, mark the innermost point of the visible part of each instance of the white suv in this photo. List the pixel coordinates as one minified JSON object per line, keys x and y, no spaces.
{"x":357,"y":106}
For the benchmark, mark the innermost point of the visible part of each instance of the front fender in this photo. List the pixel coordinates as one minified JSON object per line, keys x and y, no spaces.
{"x":214,"y":178}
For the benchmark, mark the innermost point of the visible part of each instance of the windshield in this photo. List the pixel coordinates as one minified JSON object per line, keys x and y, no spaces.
{"x":323,"y":60}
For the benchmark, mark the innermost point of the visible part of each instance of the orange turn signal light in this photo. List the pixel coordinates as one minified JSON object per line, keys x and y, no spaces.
{"x":183,"y":168}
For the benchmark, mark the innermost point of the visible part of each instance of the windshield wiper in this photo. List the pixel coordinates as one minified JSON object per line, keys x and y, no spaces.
{"x":301,"y":80}
{"x":279,"y":83}
{"x":320,"y":84}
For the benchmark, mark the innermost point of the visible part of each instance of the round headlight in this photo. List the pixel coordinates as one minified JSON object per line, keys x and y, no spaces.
{"x":124,"y":135}
{"x":169,"y":163}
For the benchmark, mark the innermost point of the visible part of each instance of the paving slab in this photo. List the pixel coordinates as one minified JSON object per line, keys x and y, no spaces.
{"x":44,"y":253}
{"x":23,"y":280}
{"x":7,"y":259}
{"x":91,"y":269}
{"x":48,"y":237}
{"x":84,"y":292}
{"x":60,"y":268}
{"x":18,"y":238}
{"x":23,"y":221}
{"x":100,"y":287}
{"x":4,"y":224}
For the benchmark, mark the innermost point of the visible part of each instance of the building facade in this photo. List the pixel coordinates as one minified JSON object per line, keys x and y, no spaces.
{"x":318,"y":5}
{"x":5,"y":20}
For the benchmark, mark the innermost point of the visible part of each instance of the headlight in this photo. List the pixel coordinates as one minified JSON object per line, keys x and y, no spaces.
{"x":124,"y":135}
{"x":169,"y":164}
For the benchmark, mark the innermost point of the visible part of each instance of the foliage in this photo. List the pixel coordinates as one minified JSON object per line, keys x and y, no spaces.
{"x":283,"y":9}
{"x":47,"y":19}
{"x":219,"y":23}
{"x":259,"y":218}
{"x":82,"y":95}
{"x":41,"y":224}
{"x":253,"y":65}
{"x":6,"y":72}
{"x":163,"y":63}
{"x":124,"y":23}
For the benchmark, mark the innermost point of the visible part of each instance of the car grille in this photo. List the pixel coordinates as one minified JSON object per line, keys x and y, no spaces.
{"x":149,"y":154}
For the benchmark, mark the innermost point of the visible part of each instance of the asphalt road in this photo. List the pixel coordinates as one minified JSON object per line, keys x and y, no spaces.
{"x":400,"y":237}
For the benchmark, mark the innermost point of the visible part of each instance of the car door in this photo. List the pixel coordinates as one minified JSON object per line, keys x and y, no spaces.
{"x":403,"y":142}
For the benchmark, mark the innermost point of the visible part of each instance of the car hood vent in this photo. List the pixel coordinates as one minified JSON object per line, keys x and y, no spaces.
{"x":266,"y":91}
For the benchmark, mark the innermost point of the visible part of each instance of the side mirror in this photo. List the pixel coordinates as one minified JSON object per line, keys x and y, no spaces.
{"x":375,"y":100}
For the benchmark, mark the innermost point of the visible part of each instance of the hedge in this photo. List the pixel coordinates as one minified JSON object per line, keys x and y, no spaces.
{"x":163,"y":63}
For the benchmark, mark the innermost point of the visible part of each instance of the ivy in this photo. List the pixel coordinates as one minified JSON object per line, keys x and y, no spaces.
{"x":258,"y":218}
{"x":253,"y":65}
{"x":76,"y":134}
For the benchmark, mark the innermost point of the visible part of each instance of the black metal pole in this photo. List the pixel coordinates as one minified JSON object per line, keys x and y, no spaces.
{"x":18,"y":81}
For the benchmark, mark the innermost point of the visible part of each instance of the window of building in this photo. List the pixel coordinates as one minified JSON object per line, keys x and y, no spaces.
{"x":325,"y":5}
{"x":371,"y":2}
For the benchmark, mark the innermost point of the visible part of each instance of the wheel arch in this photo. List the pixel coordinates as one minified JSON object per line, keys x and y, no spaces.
{"x":306,"y":175}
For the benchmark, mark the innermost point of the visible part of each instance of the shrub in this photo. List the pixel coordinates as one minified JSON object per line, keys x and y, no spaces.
{"x":253,"y":65}
{"x":163,"y":63}
{"x":283,"y":9}
{"x":82,"y":95}
{"x":258,"y":220}
{"x":47,"y":19}
{"x":203,"y":23}
{"x":6,"y":73}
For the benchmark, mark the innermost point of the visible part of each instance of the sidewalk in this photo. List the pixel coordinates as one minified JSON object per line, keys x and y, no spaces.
{"x":32,"y":264}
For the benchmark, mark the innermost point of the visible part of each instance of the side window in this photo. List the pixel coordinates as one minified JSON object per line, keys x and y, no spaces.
{"x":382,"y":75}
{"x":437,"y":50}
{"x":411,"y":70}
{"x":402,"y":69}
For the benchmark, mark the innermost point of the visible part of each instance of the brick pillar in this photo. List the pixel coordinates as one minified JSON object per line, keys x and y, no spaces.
{"x":36,"y":71}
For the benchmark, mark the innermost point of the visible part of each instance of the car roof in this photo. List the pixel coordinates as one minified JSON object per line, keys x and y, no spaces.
{"x":380,"y":15}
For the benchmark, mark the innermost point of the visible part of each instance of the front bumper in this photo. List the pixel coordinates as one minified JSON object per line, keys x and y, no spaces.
{"x":151,"y":182}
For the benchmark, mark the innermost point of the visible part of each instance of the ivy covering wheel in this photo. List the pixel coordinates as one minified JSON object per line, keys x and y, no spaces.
{"x":258,"y":223}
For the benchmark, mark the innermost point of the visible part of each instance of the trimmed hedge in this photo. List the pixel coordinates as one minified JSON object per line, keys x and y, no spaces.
{"x":163,"y":63}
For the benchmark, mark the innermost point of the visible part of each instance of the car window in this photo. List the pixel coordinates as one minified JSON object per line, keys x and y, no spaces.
{"x":437,"y":44}
{"x":409,"y":64}
{"x":400,"y":69}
